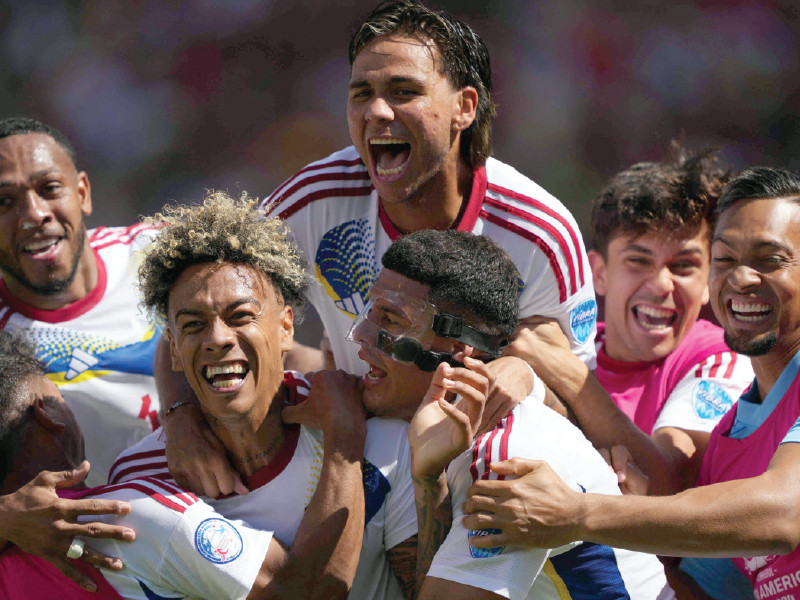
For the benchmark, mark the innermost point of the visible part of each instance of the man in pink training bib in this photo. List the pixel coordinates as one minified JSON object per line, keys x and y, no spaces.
{"x":746,"y":505}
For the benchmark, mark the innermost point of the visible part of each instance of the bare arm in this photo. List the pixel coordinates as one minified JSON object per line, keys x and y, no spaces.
{"x":303,"y":359}
{"x":323,"y":557}
{"x":437,"y":434}
{"x":403,"y":562}
{"x":746,"y":517}
{"x":543,"y":345}
{"x":36,"y":520}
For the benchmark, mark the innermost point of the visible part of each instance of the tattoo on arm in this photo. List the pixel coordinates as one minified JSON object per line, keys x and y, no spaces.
{"x":434,"y":517}
{"x":552,"y":401}
{"x":403,"y":560}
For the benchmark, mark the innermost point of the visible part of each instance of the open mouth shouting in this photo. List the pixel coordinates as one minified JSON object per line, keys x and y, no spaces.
{"x":227,"y":377}
{"x":654,"y":318}
{"x":749,"y":311}
{"x":390,"y":156}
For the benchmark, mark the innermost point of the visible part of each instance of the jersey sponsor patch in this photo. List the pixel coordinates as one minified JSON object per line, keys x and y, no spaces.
{"x":346,"y":265}
{"x":582,"y":320}
{"x":709,"y":400}
{"x":483,"y":552}
{"x":218,"y":541}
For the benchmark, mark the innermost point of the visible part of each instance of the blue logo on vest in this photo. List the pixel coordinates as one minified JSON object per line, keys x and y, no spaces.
{"x":483,"y":552}
{"x":218,"y":541}
{"x":709,"y":400}
{"x":582,"y":320}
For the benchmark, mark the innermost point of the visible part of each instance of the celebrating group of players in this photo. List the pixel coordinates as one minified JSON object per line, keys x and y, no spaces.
{"x":482,"y":437}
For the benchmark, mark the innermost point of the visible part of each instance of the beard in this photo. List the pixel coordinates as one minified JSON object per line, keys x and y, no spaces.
{"x":53,"y":286}
{"x":752,"y":347}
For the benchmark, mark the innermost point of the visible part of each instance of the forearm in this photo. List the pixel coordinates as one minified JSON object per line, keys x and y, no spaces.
{"x":605,"y":425}
{"x":434,"y":517}
{"x":749,"y":517}
{"x":325,"y":551}
{"x":172,"y":386}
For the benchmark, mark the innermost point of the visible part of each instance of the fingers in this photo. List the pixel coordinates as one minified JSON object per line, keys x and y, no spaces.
{"x":517,"y":466}
{"x":98,"y":530}
{"x":63,"y":479}
{"x":293,"y":414}
{"x":71,"y":571}
{"x":98,"y":559}
{"x":73,"y":508}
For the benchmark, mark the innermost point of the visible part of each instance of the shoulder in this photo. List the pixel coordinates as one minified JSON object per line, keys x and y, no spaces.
{"x":341,"y":174}
{"x":145,"y":458}
{"x":509,"y":187}
{"x":149,"y":496}
{"x":134,"y":236}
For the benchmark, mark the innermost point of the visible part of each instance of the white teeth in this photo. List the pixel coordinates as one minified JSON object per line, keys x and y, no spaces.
{"x":750,"y":307}
{"x":749,"y":318}
{"x":394,"y":171}
{"x":224,"y":369}
{"x":656,"y":313}
{"x":224,"y":383}
{"x":38,"y":245}
{"x":376,"y":141}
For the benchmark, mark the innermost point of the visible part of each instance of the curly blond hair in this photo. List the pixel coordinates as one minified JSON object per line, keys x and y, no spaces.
{"x":220,"y":230}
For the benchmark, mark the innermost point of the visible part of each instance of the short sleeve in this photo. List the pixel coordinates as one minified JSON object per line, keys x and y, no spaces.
{"x":700,"y":400}
{"x":211,"y":557}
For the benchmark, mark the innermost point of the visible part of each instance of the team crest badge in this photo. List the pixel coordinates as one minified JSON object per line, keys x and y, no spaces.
{"x":709,"y":400}
{"x":582,"y":320}
{"x":483,"y":552}
{"x":218,"y":541}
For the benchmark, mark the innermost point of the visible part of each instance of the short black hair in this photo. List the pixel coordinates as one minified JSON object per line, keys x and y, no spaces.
{"x":18,"y":361}
{"x":467,"y":274}
{"x":25,"y":125}
{"x":464,"y":57}
{"x":760,"y":182}
{"x":675,"y":195}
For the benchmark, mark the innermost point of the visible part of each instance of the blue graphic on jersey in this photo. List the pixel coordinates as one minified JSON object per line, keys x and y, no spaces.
{"x":218,"y":541}
{"x":709,"y":400}
{"x":590,"y":571}
{"x":151,"y":595}
{"x":582,"y":320}
{"x":483,"y":552}
{"x":376,"y":486}
{"x":346,"y":266}
{"x":73,"y":352}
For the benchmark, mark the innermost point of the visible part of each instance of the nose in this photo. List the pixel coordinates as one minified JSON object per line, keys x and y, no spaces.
{"x":34,"y":211}
{"x":219,"y":336}
{"x":378,"y":109}
{"x":743,"y":277}
{"x":662,"y":281}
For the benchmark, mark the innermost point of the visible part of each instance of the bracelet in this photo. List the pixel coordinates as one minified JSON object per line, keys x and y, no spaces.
{"x":176,"y":405}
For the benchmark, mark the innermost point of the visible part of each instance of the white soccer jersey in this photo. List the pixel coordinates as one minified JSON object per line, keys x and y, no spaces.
{"x":281,"y":491}
{"x":99,"y":350}
{"x":337,"y":221}
{"x":706,"y":393}
{"x":578,"y":571}
{"x":183,"y":548}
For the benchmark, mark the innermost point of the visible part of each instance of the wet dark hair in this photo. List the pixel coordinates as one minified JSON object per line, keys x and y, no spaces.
{"x":25,"y":125}
{"x":18,"y":361}
{"x":464,"y":60}
{"x":676,"y":195}
{"x":469,"y":275}
{"x":760,"y":182}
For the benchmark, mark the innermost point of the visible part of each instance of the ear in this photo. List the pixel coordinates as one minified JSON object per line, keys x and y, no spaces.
{"x":598,"y":265}
{"x":46,"y":416}
{"x":466,"y":108}
{"x":85,"y":193}
{"x":287,"y":328}
{"x":177,"y":365}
